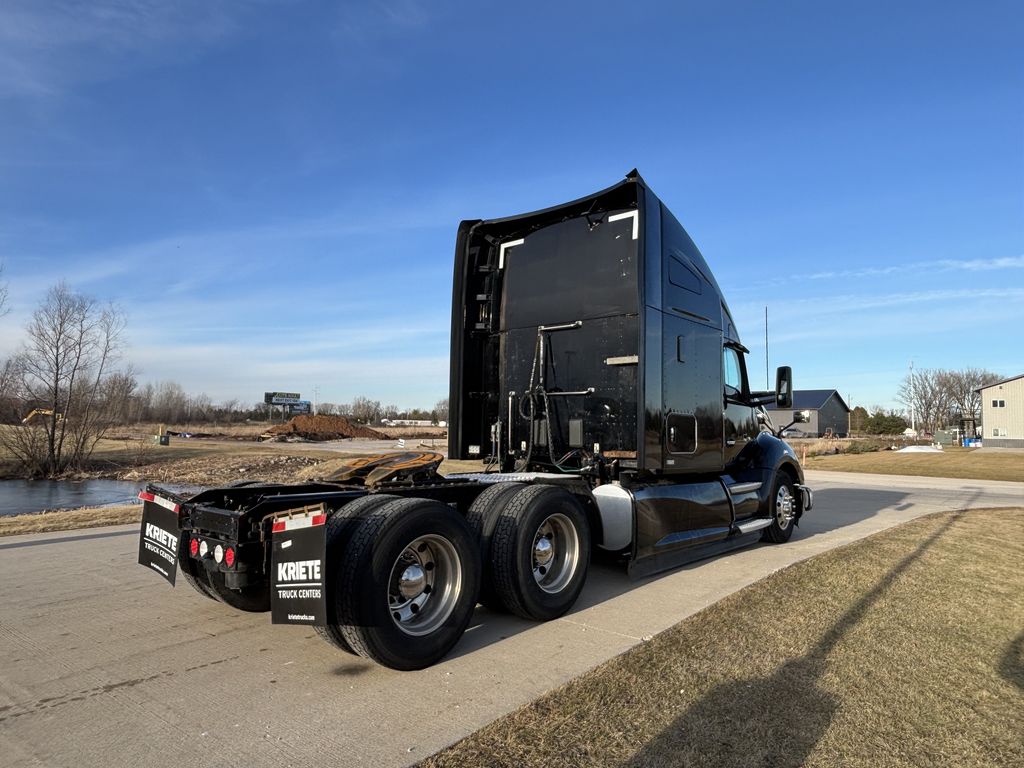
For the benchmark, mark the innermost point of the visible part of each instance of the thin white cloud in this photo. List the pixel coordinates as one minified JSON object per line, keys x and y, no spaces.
{"x":49,"y":46}
{"x":943,"y":297}
{"x":940,"y":265}
{"x":363,"y":22}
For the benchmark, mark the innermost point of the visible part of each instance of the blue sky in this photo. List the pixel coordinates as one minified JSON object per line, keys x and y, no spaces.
{"x":271,"y":189}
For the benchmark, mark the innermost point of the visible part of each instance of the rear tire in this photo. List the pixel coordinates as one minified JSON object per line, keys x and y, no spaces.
{"x":782,"y":506}
{"x":252,"y":599}
{"x":408,"y":583}
{"x":192,"y":572}
{"x":340,"y":526}
{"x":540,"y":551}
{"x":482,"y":518}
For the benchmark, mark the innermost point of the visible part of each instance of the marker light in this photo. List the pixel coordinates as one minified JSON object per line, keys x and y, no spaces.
{"x":229,"y":557}
{"x":193,"y":547}
{"x":203,"y":549}
{"x":218,"y":553}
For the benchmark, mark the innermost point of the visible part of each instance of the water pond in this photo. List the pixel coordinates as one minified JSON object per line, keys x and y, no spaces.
{"x":22,"y":496}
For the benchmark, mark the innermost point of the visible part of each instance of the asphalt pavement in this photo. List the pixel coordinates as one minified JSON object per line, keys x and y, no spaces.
{"x":104,"y":664}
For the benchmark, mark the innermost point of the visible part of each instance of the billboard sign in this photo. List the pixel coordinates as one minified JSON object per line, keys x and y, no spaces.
{"x":281,"y":398}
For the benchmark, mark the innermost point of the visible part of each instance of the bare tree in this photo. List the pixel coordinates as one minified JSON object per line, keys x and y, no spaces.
{"x":441,"y":409}
{"x":366,"y":410}
{"x":65,"y":374}
{"x":326,"y":409}
{"x":228,"y":409}
{"x":926,"y":396}
{"x":962,"y":389}
{"x":170,"y":403}
{"x":938,"y":397}
{"x":141,"y":408}
{"x":198,"y":407}
{"x":4,"y":309}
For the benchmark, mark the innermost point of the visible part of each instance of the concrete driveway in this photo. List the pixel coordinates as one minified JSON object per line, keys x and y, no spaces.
{"x":103,"y":664}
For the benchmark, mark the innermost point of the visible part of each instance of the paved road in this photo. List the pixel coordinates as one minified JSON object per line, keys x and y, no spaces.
{"x":103,"y":664}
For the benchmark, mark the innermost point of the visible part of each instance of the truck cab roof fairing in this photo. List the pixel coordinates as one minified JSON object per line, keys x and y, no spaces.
{"x":480,"y":241}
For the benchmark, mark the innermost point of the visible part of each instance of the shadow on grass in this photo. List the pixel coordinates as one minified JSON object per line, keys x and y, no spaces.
{"x":769,"y":721}
{"x":1011,"y":666}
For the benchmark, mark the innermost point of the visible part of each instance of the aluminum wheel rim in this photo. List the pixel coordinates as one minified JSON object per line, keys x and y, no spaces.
{"x":424,"y":585}
{"x":784,"y":503}
{"x":556,"y":553}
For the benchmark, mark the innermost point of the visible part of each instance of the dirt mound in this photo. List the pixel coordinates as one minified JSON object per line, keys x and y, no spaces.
{"x":323,"y":428}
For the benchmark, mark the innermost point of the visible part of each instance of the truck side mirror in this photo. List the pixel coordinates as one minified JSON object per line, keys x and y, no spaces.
{"x":784,"y":387}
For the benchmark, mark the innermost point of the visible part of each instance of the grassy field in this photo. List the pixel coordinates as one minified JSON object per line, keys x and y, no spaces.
{"x":965,"y":463}
{"x":70,"y":519}
{"x":904,"y":649}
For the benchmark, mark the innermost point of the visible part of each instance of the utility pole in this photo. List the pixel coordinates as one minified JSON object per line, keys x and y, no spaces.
{"x":767,"y":378}
{"x":316,"y":399}
{"x":913,"y":419}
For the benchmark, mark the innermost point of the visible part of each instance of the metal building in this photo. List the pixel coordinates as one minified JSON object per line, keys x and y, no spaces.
{"x":1002,"y":413}
{"x":828,"y":412}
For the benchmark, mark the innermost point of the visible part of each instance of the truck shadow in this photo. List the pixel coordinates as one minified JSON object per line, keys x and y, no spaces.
{"x":781,"y":717}
{"x":1011,"y":666}
{"x":836,"y":508}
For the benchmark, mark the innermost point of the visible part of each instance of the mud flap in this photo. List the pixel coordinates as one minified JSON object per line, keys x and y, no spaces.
{"x":298,"y":593}
{"x":160,"y":536}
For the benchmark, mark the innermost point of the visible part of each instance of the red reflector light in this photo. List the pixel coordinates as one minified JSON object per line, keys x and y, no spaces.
{"x":229,"y":557}
{"x":279,"y":526}
{"x":146,"y":496}
{"x":193,"y":547}
{"x":319,"y":519}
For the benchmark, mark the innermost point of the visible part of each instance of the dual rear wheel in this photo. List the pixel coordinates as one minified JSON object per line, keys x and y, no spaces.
{"x":403,"y":578}
{"x":404,"y":574}
{"x":535,"y":547}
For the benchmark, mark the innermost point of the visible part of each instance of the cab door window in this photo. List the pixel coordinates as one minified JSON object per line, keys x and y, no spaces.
{"x":733,"y":373}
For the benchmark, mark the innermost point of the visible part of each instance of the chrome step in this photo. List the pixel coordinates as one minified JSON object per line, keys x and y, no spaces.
{"x":739,"y":488}
{"x":749,"y":526}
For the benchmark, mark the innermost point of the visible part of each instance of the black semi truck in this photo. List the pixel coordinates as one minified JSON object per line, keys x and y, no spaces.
{"x":597,"y":374}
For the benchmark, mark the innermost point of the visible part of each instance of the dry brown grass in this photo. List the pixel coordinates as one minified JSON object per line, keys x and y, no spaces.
{"x":964,"y":463}
{"x":66,"y":520}
{"x":905,"y":649}
{"x":147,"y":431}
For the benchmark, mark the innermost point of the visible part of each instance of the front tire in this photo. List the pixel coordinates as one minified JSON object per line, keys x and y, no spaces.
{"x":540,"y":551}
{"x":408,"y":584}
{"x":782,"y":506}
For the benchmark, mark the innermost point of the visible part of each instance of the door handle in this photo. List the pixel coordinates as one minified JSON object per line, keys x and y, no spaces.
{"x":730,"y":443}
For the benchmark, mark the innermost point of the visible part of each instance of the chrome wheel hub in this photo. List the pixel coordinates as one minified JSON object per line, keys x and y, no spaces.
{"x":556,"y":553}
{"x":412,"y":582}
{"x":785,"y":507}
{"x":543,"y":551}
{"x":424,"y":585}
